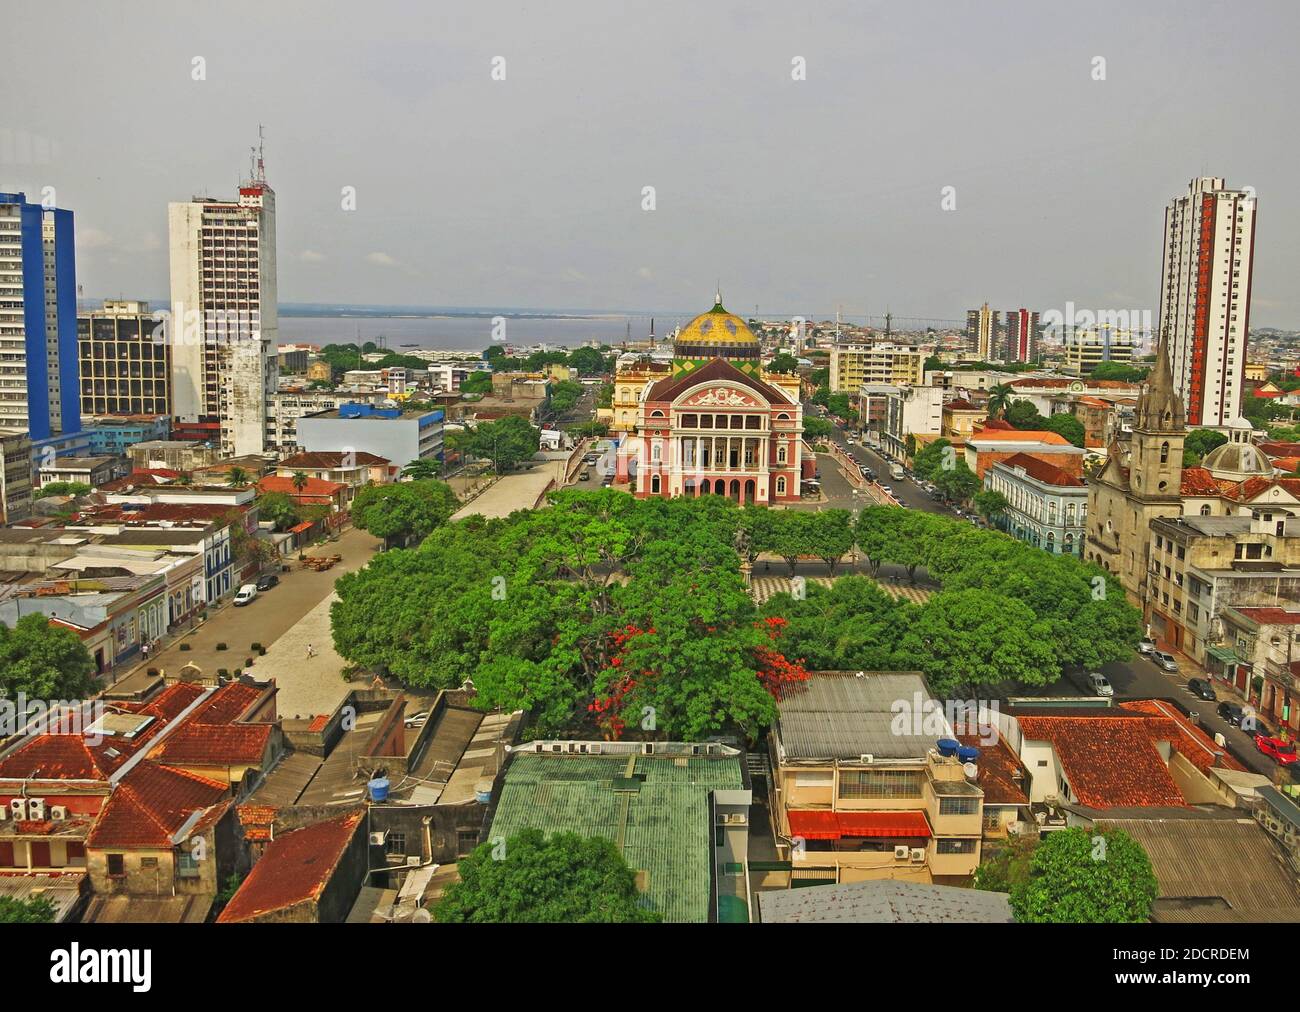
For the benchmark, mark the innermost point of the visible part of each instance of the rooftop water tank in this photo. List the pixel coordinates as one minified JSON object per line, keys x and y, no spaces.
{"x":947,"y":746}
{"x":968,"y":753}
{"x":378,"y":789}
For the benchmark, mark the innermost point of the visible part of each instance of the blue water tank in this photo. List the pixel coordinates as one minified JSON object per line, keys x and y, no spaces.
{"x":378,"y":789}
{"x":968,"y":753}
{"x":947,"y":746}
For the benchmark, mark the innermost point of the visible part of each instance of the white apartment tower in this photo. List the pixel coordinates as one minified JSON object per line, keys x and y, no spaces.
{"x":224,"y":313}
{"x":1205,"y":297}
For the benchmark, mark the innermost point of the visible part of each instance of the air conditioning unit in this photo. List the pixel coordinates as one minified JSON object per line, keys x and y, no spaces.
{"x":900,"y":853}
{"x":18,"y":806}
{"x":377,"y":839}
{"x":866,"y":759}
{"x":593,"y":748}
{"x":36,"y":809}
{"x":413,"y":861}
{"x":918,"y":854}
{"x":58,"y":813}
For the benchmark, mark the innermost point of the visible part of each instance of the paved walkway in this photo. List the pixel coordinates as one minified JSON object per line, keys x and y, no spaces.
{"x":308,"y":684}
{"x":765,"y":587}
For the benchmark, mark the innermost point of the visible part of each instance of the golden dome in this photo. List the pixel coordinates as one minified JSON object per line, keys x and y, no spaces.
{"x":716,"y":327}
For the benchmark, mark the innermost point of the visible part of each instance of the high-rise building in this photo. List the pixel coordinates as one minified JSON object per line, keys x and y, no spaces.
{"x":1022,"y":330}
{"x":982,"y":328}
{"x":38,"y":319}
{"x":124,"y":370}
{"x":855,"y":364}
{"x":1209,"y":247}
{"x":224,"y":319}
{"x":1086,"y":348}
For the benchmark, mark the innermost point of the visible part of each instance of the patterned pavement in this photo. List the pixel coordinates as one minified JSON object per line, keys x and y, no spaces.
{"x":765,"y":587}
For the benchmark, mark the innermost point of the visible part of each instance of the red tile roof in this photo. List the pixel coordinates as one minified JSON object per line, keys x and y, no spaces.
{"x":1110,"y":762}
{"x":1274,"y":448}
{"x":960,"y":405}
{"x":998,"y":769}
{"x":257,"y":821}
{"x":1190,"y":741}
{"x":1271,"y":616}
{"x":214,"y":745}
{"x":227,"y":704}
{"x":331,"y":459}
{"x":1199,"y":481}
{"x":314,"y":488}
{"x":1253,"y":488}
{"x":1043,"y":471}
{"x":1025,"y":435}
{"x":70,"y":755}
{"x":149,"y":806}
{"x":296,"y":868}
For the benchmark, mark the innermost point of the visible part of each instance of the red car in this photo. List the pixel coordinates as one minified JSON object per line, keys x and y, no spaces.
{"x":1283,"y":751}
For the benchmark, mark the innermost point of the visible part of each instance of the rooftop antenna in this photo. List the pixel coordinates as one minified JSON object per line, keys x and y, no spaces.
{"x":261,"y":165}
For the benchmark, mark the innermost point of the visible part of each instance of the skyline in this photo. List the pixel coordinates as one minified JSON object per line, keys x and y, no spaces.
{"x":501,"y":196}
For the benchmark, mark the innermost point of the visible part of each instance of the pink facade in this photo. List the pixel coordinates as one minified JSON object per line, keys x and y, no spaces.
{"x":716,"y":431}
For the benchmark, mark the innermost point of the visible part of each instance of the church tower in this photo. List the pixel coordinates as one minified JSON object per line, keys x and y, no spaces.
{"x":1156,"y":461}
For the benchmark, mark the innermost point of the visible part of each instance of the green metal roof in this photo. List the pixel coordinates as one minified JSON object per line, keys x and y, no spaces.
{"x":662,"y":829}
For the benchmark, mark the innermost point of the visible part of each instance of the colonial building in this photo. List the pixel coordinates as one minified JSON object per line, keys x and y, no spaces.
{"x":716,"y":424}
{"x":1046,"y":506}
{"x":1127,"y":495}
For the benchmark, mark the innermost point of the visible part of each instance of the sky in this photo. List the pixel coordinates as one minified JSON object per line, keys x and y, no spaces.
{"x":796,"y":195}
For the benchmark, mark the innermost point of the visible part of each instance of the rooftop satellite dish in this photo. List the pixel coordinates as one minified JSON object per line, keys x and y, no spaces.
{"x":971,"y":770}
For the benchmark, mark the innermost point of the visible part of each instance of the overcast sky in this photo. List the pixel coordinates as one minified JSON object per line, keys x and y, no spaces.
{"x":799,"y":195}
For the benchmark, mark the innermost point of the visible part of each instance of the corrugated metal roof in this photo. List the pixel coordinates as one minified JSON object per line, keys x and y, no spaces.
{"x":839,"y":715}
{"x":1233,"y":859}
{"x":663,"y":829}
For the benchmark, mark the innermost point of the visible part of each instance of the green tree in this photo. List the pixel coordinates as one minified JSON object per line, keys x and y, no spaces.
{"x":403,"y":512}
{"x":564,"y":395}
{"x":588,"y":362}
{"x":783,"y":363}
{"x":43,"y":661}
{"x":1198,"y":443}
{"x":830,"y":536}
{"x":278,"y":508}
{"x":477,"y":382}
{"x":72,"y":488}
{"x":1023,"y":415}
{"x":957,"y":483}
{"x":1079,"y":876}
{"x":965,"y":640}
{"x":1066,"y":425}
{"x":853,"y":625}
{"x":236,"y":477}
{"x":506,"y":442}
{"x":1118,"y":371}
{"x":815,"y":429}
{"x":37,"y":910}
{"x":530,"y":879}
{"x":990,"y":504}
{"x":299,"y":480}
{"x":421,"y":469}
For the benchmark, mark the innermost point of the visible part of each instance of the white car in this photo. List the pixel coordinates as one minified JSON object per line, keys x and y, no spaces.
{"x":1099,"y":684}
{"x":1164,"y":660}
{"x":246,"y":594}
{"x":1146,"y":646}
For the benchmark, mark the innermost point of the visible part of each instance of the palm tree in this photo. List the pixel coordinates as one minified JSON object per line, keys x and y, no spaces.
{"x":299,"y":480}
{"x":236,"y":477}
{"x":999,"y":399}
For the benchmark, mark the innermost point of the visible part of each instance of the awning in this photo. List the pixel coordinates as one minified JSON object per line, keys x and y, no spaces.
{"x":1225,"y":655}
{"x":814,"y":825}
{"x":823,"y":825}
{"x":306,"y":525}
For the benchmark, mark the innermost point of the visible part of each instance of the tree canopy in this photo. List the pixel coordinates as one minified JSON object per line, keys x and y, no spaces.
{"x":1078,"y":876}
{"x":404,"y":511}
{"x":43,"y":661}
{"x":531,"y":879}
{"x":506,"y":442}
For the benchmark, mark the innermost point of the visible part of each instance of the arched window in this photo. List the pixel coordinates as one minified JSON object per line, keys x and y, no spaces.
{"x":654,"y":485}
{"x":782,"y":417}
{"x":780,"y":485}
{"x":1164,"y":452}
{"x":1205,"y":510}
{"x":780,"y":454}
{"x":656,"y":413}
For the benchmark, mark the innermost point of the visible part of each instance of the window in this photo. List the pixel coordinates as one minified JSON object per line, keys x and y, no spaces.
{"x":780,"y":454}
{"x":992,"y":818}
{"x":780,"y":485}
{"x":187,"y":866}
{"x":466,"y":841}
{"x":954,"y":846}
{"x":395,"y":844}
{"x":959,"y":806}
{"x":148,"y":863}
{"x":880,"y":784}
{"x":116,"y":865}
{"x":1164,"y":453}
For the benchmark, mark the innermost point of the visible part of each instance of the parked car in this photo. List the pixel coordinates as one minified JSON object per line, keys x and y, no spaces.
{"x":886,"y":489}
{"x":1233,"y":714}
{"x":417,"y":719}
{"x":245,"y":594}
{"x":267,"y":581}
{"x":1146,"y":645}
{"x":1099,"y":683}
{"x":585,"y":476}
{"x":1201,"y":689}
{"x":1164,"y":660}
{"x":1282,"y":751}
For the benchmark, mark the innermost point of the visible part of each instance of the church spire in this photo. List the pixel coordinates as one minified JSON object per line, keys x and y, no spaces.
{"x":1159,"y":407}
